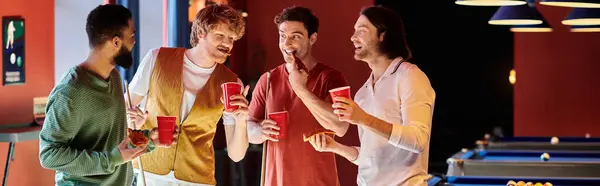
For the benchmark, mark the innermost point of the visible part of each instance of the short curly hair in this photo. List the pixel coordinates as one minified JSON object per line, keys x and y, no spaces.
{"x":105,"y":22}
{"x":212,"y":15}
{"x":300,"y":14}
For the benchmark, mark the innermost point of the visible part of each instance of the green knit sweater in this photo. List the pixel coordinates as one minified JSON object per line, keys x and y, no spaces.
{"x":85,"y":122}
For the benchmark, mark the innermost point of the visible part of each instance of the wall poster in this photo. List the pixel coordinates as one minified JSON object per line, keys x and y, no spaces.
{"x":13,"y":50}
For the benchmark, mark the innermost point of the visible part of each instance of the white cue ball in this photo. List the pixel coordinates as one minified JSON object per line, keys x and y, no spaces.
{"x":554,"y":140}
{"x":588,"y":135}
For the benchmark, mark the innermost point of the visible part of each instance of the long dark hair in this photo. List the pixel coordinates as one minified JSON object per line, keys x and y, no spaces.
{"x":390,"y":24}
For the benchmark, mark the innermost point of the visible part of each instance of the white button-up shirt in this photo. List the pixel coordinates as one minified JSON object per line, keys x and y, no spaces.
{"x":404,"y":98}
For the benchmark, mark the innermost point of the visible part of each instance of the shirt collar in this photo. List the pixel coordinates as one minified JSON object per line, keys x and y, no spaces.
{"x":393,"y":68}
{"x":97,"y":82}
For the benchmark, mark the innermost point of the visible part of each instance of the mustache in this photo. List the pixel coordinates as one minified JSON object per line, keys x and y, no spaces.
{"x":224,"y":49}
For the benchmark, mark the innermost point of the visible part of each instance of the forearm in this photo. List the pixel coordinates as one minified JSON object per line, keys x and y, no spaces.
{"x":323,"y":112}
{"x":348,"y":152}
{"x":254,"y":132}
{"x":412,"y":136}
{"x":62,"y":158}
{"x":378,"y":126}
{"x":237,"y":141}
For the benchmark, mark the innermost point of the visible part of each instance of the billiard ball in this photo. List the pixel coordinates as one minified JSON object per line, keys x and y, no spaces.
{"x":511,"y":183}
{"x":554,"y":140}
{"x":545,"y":157}
{"x":529,"y":184}
{"x":521,"y":183}
{"x":547,"y":184}
{"x":538,"y":184}
{"x":588,"y":135}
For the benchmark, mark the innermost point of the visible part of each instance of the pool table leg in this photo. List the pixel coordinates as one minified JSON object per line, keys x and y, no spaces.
{"x":11,"y":150}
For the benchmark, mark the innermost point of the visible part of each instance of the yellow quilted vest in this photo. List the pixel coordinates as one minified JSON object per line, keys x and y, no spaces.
{"x":192,"y":159}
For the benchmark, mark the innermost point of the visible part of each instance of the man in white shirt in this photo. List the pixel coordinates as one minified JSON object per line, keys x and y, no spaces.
{"x":186,"y":83}
{"x":393,"y":109}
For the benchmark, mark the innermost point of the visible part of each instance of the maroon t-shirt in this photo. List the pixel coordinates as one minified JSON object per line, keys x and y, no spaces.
{"x":291,"y":161}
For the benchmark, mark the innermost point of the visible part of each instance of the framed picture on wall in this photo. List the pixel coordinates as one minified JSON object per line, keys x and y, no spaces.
{"x":13,"y":50}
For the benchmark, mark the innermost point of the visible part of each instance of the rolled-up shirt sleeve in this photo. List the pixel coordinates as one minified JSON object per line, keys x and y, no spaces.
{"x":417,"y":102}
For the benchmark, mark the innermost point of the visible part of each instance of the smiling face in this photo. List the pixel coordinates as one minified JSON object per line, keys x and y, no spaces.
{"x":218,"y":42}
{"x":365,"y":39}
{"x":214,"y":31}
{"x":294,"y":39}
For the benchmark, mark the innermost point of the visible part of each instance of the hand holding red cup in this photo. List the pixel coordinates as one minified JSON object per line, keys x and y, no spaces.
{"x":340,"y":92}
{"x":345,"y":108}
{"x":281,"y":120}
{"x":230,"y":89}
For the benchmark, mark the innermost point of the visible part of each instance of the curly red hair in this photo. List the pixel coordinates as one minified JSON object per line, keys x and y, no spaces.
{"x":212,"y":15}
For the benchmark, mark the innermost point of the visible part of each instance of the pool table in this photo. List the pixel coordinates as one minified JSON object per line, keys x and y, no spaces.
{"x":541,"y":143}
{"x":502,"y":181}
{"x":524,"y":163}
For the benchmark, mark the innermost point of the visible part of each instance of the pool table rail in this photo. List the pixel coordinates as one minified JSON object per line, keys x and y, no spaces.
{"x":468,"y":163}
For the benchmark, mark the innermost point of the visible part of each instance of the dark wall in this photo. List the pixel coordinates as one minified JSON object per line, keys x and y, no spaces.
{"x":468,"y":62}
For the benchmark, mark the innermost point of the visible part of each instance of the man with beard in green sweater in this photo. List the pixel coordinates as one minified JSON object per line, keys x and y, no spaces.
{"x":84,"y":134}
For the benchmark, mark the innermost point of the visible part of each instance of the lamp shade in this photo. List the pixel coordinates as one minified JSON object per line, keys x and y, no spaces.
{"x":516,"y":15}
{"x":490,"y":2}
{"x":544,"y":27}
{"x":583,"y":16}
{"x":585,"y":28}
{"x":572,"y":3}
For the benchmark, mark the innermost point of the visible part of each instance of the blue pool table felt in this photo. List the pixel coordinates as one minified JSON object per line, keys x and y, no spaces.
{"x":547,"y":139}
{"x":529,"y":156}
{"x":504,"y":155}
{"x":496,"y":181}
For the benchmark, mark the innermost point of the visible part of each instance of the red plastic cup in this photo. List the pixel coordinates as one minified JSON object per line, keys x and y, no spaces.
{"x":166,"y":127}
{"x":340,"y":92}
{"x":230,"y":89}
{"x":281,"y":118}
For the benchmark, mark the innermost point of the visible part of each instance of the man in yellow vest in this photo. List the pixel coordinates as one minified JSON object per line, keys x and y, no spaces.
{"x":187,"y":83}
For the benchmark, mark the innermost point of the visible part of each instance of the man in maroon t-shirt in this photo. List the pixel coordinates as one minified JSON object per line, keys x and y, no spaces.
{"x":304,"y":95}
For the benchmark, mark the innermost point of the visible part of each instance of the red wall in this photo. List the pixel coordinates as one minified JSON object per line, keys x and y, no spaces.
{"x":557,"y":92}
{"x":333,"y":47}
{"x":16,"y":102}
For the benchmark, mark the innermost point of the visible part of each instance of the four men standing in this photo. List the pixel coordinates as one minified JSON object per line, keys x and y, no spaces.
{"x":392,"y":111}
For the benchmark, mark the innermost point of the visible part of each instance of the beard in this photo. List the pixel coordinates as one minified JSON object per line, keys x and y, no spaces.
{"x":364,"y":53}
{"x":367,"y":51}
{"x":123,"y":58}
